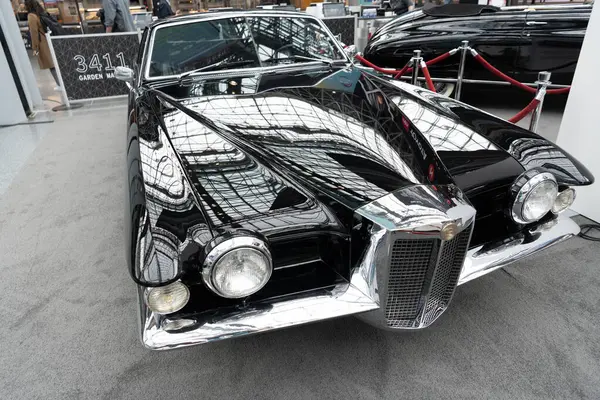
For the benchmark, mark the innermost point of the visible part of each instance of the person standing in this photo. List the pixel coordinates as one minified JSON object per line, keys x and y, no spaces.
{"x":401,"y":6}
{"x":117,"y":17}
{"x":39,"y":44}
{"x":162,"y":9}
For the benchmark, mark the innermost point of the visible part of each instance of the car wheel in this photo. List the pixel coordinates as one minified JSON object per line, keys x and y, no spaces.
{"x":443,"y":88}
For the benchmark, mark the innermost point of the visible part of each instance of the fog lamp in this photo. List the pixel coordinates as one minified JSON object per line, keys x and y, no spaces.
{"x":448,"y":231}
{"x":167,"y":299}
{"x":563,"y":201}
{"x":534,"y":195}
{"x":237,"y":267}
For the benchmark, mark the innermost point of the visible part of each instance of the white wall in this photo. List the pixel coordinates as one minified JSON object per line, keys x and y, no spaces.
{"x":11,"y":109}
{"x":579,"y":132}
{"x":497,"y":3}
{"x":9,"y":25}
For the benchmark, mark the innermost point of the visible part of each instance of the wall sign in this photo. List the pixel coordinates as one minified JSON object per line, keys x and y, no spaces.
{"x":87,"y":63}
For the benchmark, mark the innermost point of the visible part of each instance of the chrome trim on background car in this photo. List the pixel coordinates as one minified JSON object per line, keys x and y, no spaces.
{"x":484,"y":259}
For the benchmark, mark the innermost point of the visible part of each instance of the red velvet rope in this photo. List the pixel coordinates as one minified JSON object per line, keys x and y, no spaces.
{"x":428,"y":78}
{"x":502,"y":75}
{"x":376,"y":68}
{"x":432,"y":61}
{"x":513,"y":81}
{"x":405,"y":70}
{"x":402,"y":72}
{"x":521,"y":114}
{"x":438,"y":59}
{"x":558,"y":91}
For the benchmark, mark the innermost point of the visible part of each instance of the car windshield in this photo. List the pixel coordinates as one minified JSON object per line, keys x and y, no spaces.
{"x":239,"y":42}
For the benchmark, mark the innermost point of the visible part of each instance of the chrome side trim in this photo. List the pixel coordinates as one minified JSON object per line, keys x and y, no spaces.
{"x":420,"y":209}
{"x":157,"y":331}
{"x":367,"y":290}
{"x":489,"y":257}
{"x":414,"y":212}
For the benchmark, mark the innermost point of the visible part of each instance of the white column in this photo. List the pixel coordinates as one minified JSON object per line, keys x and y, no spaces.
{"x":9,"y":25}
{"x":11,"y":109}
{"x":579,"y":132}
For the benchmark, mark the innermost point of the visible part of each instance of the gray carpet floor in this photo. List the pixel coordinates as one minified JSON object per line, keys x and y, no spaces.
{"x":69,"y":314}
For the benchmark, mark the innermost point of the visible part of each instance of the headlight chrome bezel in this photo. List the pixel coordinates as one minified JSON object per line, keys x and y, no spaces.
{"x":235,"y":243}
{"x":523,"y":187}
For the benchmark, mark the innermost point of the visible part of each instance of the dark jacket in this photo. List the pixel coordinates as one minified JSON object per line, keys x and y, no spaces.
{"x":400,"y":6}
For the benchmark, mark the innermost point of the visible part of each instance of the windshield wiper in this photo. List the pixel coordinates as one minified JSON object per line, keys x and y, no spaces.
{"x":296,"y":57}
{"x":215,"y":65}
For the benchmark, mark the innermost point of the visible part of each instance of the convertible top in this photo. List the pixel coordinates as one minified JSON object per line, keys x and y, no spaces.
{"x":460,"y":10}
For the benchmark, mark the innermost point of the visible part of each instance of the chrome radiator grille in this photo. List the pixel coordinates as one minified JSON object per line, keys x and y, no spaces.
{"x":422,"y":277}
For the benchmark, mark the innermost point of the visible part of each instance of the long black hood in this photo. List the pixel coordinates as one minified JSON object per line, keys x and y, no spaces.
{"x":343,"y":134}
{"x":325,"y":133}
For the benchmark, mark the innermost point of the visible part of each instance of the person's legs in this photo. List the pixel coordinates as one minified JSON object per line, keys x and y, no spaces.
{"x":54,"y":75}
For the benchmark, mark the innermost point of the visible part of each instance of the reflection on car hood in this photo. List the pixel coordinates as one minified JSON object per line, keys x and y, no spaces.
{"x":261,"y":144}
{"x":451,"y":127}
{"x":325,"y":134}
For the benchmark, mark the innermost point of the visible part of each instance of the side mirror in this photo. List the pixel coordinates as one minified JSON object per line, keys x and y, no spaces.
{"x":124,"y":74}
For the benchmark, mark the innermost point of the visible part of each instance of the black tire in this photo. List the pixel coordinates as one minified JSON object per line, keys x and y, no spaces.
{"x":443,"y":88}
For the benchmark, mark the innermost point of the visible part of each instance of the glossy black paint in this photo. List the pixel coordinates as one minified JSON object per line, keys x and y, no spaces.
{"x":290,"y":155}
{"x":520,"y":41}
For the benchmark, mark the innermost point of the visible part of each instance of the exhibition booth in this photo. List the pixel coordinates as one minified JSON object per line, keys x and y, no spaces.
{"x":246,"y":172}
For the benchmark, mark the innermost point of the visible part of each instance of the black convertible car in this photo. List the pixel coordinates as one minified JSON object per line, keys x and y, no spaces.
{"x":272,"y":183}
{"x":520,"y":41}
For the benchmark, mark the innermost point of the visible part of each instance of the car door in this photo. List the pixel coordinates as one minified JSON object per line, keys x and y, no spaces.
{"x":496,"y":36}
{"x":553,"y":41}
{"x":499,"y":42}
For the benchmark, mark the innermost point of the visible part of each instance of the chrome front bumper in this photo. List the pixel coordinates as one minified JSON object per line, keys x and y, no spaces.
{"x":491,"y":256}
{"x":358,"y":296}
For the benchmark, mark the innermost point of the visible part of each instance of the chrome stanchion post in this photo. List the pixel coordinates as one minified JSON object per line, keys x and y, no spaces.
{"x":416,"y":62}
{"x":542,"y":83}
{"x":461,"y":68}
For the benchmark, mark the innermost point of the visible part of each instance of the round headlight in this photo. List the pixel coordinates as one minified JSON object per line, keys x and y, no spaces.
{"x":238,"y":267}
{"x":563,"y":201}
{"x":167,"y":299}
{"x":534,"y":198}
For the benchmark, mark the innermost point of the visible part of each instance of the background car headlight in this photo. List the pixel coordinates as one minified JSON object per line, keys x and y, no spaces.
{"x":237,"y":267}
{"x":563,"y":201}
{"x":533,"y":196}
{"x":167,"y":299}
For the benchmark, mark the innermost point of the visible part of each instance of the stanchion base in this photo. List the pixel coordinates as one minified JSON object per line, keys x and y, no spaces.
{"x":64,"y":107}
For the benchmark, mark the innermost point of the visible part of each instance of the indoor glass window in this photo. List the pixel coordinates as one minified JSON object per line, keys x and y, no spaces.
{"x":282,"y":40}
{"x":204,"y":45}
